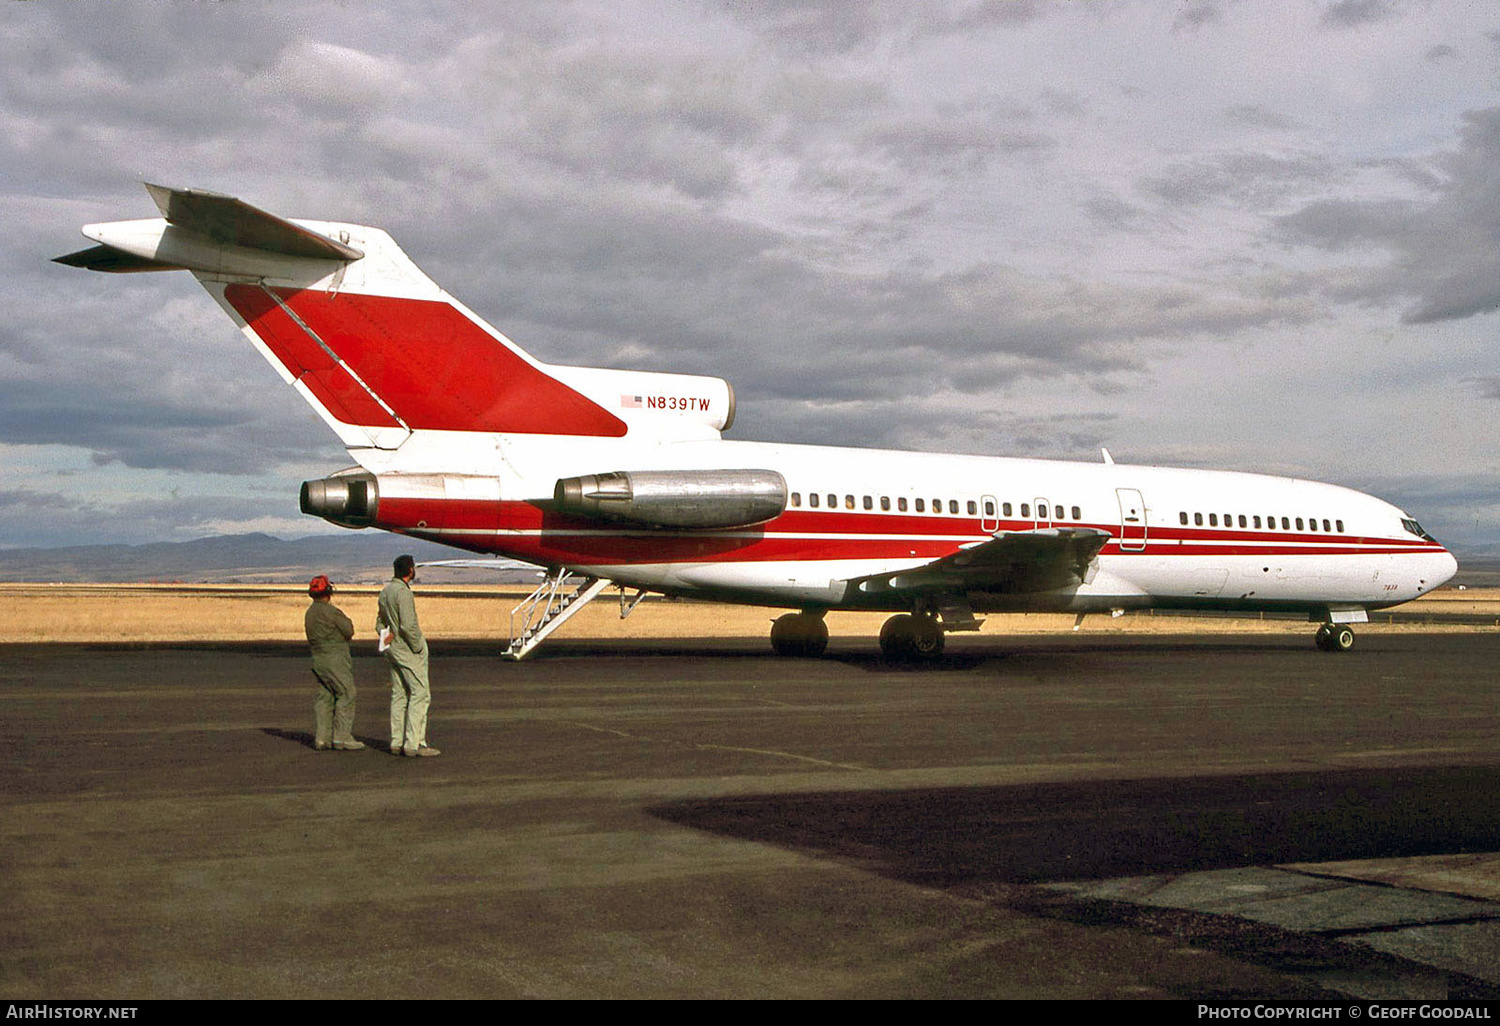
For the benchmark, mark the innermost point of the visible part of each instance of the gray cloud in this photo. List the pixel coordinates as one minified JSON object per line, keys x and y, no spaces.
{"x":844,"y":26}
{"x":1258,"y":179}
{"x":1347,"y":14}
{"x":1441,"y":250}
{"x":1255,"y":116}
{"x":871,"y":217}
{"x":1198,"y":14}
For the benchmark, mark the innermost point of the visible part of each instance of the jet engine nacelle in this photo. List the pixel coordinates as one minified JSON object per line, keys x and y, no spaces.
{"x":348,"y":498}
{"x":676,"y":498}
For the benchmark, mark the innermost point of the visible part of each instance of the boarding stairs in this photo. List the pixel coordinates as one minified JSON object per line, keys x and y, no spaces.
{"x":548,"y":608}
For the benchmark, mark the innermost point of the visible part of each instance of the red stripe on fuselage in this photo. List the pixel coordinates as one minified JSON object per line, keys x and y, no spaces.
{"x":528,"y":532}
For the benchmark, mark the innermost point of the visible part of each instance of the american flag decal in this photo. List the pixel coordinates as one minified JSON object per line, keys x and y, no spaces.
{"x":630,"y":402}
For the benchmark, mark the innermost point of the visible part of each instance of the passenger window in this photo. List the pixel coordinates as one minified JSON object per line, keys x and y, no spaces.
{"x":989,"y":507}
{"x":1077,"y":515}
{"x":1325,"y":525}
{"x":885,"y":503}
{"x":1299,"y":523}
{"x":973,"y":507}
{"x":1312,"y":525}
{"x":848,"y":502}
{"x":1057,"y":513}
{"x":921,"y":506}
{"x":1286,"y":525}
{"x":1242,"y":520}
{"x":1213,"y":520}
{"x":937,"y":505}
{"x":1257,"y":521}
{"x":952,"y":505}
{"x":833,"y":501}
{"x":1340,"y":525}
{"x":869,"y":503}
{"x":796,"y":499}
{"x":812,"y":499}
{"x":1182,"y":518}
{"x":1026,"y":510}
{"x":901,"y":504}
{"x":1005,"y":509}
{"x":1197,"y":519}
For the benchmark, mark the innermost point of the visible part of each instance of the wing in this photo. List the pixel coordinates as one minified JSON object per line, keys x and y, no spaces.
{"x":1010,"y":562}
{"x":487,"y":563}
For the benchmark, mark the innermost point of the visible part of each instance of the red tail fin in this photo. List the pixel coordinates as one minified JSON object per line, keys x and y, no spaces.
{"x":384,"y":361}
{"x":375,"y":345}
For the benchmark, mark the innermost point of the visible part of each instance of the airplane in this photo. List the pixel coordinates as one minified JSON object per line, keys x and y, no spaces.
{"x":622,"y":478}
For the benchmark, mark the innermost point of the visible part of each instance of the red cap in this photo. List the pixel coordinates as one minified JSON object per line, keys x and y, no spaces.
{"x":319,"y":586}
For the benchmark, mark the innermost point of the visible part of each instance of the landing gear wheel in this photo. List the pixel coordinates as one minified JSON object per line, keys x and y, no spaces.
{"x":1335,"y":637}
{"x":905,"y":636}
{"x":799,"y":634}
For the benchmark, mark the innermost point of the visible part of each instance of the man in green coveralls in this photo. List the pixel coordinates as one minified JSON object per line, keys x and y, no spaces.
{"x":406,"y":652}
{"x":328,"y":632}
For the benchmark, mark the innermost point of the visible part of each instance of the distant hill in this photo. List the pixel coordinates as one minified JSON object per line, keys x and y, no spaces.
{"x":358,"y":557}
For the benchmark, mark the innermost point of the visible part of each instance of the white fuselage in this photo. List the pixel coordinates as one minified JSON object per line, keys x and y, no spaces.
{"x":1180,"y":538}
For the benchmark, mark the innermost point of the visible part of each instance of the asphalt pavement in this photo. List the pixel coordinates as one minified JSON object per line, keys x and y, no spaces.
{"x":1041,"y":817}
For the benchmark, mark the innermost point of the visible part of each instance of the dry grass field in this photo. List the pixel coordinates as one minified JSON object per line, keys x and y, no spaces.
{"x":167,"y":613}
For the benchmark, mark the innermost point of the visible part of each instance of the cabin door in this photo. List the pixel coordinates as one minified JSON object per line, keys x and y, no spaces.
{"x":1132,"y":520}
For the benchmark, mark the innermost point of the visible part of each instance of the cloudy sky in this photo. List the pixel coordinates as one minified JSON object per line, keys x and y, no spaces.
{"x":1253,"y":235}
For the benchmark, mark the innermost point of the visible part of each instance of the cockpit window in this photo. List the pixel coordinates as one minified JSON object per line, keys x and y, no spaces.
{"x":1415,"y":528}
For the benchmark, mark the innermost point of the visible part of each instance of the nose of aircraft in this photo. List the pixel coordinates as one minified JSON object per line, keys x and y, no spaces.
{"x":1447,"y":567}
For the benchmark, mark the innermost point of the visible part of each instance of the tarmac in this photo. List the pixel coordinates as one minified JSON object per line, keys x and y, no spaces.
{"x":1165,"y":816}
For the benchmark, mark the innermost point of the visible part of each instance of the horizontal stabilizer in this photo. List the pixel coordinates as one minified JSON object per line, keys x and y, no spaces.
{"x":113,"y":261}
{"x":234,"y":222}
{"x":208,"y":233}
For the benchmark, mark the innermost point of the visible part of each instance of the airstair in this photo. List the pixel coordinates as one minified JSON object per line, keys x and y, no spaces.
{"x":548,"y":608}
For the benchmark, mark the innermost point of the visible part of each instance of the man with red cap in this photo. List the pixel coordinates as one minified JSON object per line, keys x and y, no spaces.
{"x":328,"y":632}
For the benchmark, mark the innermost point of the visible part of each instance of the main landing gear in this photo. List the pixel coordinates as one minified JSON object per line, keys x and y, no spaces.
{"x":911,"y":636}
{"x":905,"y":637}
{"x":799,"y":634}
{"x":1334,"y":637}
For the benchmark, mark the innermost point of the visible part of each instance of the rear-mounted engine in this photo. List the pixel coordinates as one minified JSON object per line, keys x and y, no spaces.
{"x":676,"y":498}
{"x":348,"y":498}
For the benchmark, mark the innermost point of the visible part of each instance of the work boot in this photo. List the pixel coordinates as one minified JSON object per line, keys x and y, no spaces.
{"x":422,"y":752}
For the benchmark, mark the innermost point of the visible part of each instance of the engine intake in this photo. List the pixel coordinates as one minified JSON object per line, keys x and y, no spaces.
{"x":347,"y":499}
{"x":676,"y":498}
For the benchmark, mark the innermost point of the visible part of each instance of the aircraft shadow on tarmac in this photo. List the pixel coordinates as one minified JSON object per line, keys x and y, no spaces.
{"x":864,"y":654}
{"x":1042,"y":833}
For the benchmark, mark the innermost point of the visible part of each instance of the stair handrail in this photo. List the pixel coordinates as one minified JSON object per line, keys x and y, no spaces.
{"x":543,"y":598}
